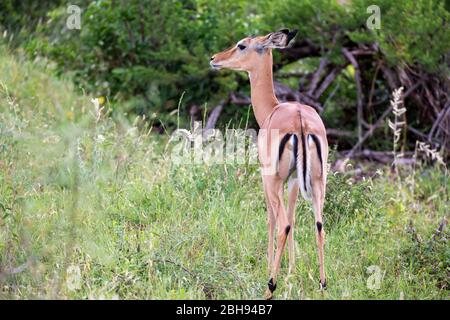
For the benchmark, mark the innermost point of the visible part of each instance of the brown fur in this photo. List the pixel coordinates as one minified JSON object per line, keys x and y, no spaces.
{"x":287,"y":118}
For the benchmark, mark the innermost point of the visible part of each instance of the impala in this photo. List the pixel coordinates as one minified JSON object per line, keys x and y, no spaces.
{"x":300,"y":142}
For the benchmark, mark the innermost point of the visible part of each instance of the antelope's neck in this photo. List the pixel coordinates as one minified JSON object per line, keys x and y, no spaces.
{"x":262,"y":91}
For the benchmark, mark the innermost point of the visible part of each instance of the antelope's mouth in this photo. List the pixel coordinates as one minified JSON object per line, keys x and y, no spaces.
{"x":215,"y":65}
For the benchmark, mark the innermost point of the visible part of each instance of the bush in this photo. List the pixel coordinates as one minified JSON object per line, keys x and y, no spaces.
{"x":90,"y":208}
{"x":154,"y":49}
{"x":153,"y":52}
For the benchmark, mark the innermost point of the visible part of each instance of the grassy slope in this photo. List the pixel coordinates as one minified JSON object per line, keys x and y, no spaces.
{"x":84,"y":217}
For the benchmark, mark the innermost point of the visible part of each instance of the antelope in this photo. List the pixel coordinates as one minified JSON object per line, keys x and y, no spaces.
{"x":298,"y":152}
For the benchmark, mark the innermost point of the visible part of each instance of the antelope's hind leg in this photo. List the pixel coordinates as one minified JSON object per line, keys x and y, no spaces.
{"x":271,"y":226}
{"x":274,"y":187}
{"x":318,"y":178}
{"x":292,"y":201}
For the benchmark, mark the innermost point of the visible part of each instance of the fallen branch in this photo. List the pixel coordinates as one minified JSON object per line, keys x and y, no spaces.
{"x":384,"y":157}
{"x":340,"y":133}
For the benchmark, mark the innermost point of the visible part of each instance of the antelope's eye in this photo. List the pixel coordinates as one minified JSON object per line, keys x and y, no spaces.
{"x":241,"y":46}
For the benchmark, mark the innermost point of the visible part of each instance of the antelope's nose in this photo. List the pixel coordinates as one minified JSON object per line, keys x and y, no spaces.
{"x":212,"y":58}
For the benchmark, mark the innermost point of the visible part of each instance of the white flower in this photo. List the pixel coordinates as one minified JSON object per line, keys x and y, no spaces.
{"x":100,"y":138}
{"x":96,"y":103}
{"x":73,"y":278}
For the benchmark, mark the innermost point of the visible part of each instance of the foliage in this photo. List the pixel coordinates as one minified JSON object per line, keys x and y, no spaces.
{"x":430,"y":254}
{"x":24,"y":15}
{"x":150,"y":53}
{"x":411,"y":31}
{"x":90,"y":208}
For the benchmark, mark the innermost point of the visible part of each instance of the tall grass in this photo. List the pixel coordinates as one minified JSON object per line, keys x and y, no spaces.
{"x":90,"y":207}
{"x":398,"y":125}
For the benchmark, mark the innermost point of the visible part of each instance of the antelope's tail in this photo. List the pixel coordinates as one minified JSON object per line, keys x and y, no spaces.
{"x":304,"y":159}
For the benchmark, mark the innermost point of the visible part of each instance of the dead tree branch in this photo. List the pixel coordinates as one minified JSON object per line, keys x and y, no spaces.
{"x":327,"y":81}
{"x":285,"y":93}
{"x":359,"y":92}
{"x":379,"y":122}
{"x":438,"y":120}
{"x":340,"y":133}
{"x":290,"y":75}
{"x":384,"y":157}
{"x":214,"y":115}
{"x":316,"y":76}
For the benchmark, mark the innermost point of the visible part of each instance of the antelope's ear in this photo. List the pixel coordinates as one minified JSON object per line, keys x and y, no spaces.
{"x":279,"y":39}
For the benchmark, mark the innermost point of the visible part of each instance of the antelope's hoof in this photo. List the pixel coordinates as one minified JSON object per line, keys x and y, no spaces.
{"x":323,"y":285}
{"x":268,"y":295}
{"x":271,"y":287}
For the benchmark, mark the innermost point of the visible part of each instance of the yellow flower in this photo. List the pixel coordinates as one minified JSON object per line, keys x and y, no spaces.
{"x":351,"y":70}
{"x":101,"y":100}
{"x":69,"y":115}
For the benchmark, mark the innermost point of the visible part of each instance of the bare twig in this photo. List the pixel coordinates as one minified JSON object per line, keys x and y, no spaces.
{"x":340,"y":133}
{"x":440,"y":228}
{"x":359,"y":93}
{"x":214,"y":115}
{"x":380,"y":156}
{"x":440,"y":117}
{"x":316,"y":76}
{"x":245,"y":101}
{"x":290,"y":75}
{"x":417,"y":132}
{"x":18,"y":269}
{"x":285,"y":93}
{"x":372,"y":86}
{"x":362,"y":52}
{"x":379,"y":122}
{"x":193,"y":112}
{"x":327,"y":81}
{"x":300,"y":49}
{"x":369,"y":132}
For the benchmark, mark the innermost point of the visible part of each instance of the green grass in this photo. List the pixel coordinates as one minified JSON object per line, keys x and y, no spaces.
{"x":95,"y":210}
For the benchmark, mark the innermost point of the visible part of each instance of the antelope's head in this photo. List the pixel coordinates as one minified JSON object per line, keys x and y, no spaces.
{"x":251,"y":51}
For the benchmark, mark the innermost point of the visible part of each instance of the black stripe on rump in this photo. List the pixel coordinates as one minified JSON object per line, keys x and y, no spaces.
{"x":295,"y":154}
{"x":283,"y":142}
{"x":304,"y":160}
{"x":319,"y":151}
